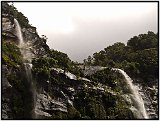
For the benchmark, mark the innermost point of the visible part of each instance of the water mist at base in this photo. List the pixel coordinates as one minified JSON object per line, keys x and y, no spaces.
{"x":137,"y":107}
{"x":27,"y":58}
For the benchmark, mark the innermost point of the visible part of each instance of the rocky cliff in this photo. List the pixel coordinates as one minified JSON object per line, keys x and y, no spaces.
{"x":15,"y":87}
{"x":42,"y":86}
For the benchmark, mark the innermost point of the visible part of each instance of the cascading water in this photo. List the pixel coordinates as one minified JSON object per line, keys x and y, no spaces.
{"x":138,"y":103}
{"x":135,"y":97}
{"x":18,"y":32}
{"x":27,"y":57}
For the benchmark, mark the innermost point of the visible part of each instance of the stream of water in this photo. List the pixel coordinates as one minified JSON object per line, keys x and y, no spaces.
{"x":138,"y":104}
{"x":27,"y":58}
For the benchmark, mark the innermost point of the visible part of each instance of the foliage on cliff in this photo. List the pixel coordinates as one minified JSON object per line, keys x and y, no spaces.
{"x":139,"y":58}
{"x":88,"y":103}
{"x":13,"y":12}
{"x":20,"y":106}
{"x":12,"y":59}
{"x":55,"y":59}
{"x":11,"y":55}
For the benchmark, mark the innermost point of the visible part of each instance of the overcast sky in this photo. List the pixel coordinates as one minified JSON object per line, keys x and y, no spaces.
{"x":81,"y":29}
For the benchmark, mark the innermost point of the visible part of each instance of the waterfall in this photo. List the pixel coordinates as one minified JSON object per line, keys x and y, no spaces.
{"x":19,"y":33}
{"x":136,"y":98}
{"x":27,"y":57}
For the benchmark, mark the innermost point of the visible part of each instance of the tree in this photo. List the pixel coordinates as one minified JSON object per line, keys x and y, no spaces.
{"x":143,"y":41}
{"x":139,"y":58}
{"x":89,"y":60}
{"x":148,"y":61}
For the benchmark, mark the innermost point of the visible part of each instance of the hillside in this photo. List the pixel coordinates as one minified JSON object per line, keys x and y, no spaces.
{"x":43,"y":83}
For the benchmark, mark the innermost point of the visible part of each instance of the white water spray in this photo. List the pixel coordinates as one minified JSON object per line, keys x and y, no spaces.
{"x":136,"y":97}
{"x":19,"y":33}
{"x":27,"y":57}
{"x":25,"y":47}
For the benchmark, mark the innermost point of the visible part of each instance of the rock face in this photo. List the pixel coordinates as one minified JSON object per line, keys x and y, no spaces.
{"x":7,"y":25}
{"x":13,"y":72}
{"x":6,"y":92}
{"x":59,"y":98}
{"x":53,"y":97}
{"x":37,"y":45}
{"x":92,"y":69}
{"x":62,"y":95}
{"x":150,"y":96}
{"x":46,"y":106}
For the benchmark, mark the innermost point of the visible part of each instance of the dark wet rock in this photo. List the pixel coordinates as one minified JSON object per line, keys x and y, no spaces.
{"x":45,"y":105}
{"x":6,"y":92}
{"x":61,"y":90}
{"x":150,"y":97}
{"x":5,"y":84}
{"x":6,"y":110}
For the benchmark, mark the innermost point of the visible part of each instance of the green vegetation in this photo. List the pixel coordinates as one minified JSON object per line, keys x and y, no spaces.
{"x":56,"y":59}
{"x":65,"y":63}
{"x":110,"y":78}
{"x":62,"y":59}
{"x":20,"y":95}
{"x":72,"y":113}
{"x":11,"y":55}
{"x":143,"y":41}
{"x":13,"y":12}
{"x":12,"y":58}
{"x":97,"y":105}
{"x":88,"y":104}
{"x":139,"y":58}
